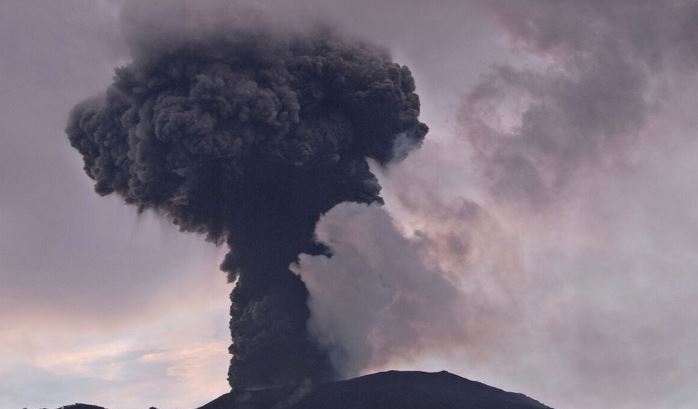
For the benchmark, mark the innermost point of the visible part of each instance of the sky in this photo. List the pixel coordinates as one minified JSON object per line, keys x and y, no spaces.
{"x":543,"y":239}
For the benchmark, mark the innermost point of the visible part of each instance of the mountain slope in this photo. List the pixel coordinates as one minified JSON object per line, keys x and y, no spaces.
{"x":385,"y":390}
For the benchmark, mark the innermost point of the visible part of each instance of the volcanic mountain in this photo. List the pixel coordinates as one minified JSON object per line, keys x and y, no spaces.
{"x":384,"y":390}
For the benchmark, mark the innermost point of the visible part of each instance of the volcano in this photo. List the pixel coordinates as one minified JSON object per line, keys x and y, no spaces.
{"x":384,"y":390}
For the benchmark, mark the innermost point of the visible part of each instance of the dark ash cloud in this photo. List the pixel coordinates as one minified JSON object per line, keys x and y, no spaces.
{"x":248,"y":136}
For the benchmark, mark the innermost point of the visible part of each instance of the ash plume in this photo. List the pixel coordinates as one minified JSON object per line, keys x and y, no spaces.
{"x":248,"y":136}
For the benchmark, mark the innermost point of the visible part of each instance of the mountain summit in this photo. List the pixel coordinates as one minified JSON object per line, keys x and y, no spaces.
{"x":384,"y":390}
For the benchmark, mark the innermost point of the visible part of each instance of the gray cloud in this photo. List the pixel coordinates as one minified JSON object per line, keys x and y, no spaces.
{"x":449,"y":286}
{"x":584,"y":103}
{"x":571,"y":254}
{"x":369,"y":300}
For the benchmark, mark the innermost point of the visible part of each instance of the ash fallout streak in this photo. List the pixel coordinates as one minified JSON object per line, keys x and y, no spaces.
{"x":249,"y":137}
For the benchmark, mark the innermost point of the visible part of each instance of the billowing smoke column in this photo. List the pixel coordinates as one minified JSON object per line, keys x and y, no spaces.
{"x":249,"y":137}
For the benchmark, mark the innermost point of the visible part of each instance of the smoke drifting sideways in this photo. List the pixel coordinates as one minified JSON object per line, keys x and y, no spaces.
{"x":248,"y":136}
{"x":584,"y":102}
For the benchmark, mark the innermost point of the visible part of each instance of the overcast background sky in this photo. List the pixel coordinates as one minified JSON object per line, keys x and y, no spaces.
{"x":543,"y":240}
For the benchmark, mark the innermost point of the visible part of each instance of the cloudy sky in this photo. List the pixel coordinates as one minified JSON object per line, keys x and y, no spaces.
{"x":543,"y":240}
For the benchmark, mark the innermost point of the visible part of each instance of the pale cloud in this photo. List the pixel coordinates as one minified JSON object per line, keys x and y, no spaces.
{"x":97,"y":361}
{"x":175,"y":357}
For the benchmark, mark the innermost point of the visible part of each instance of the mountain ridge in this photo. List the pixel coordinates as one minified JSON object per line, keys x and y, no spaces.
{"x":382,"y":390}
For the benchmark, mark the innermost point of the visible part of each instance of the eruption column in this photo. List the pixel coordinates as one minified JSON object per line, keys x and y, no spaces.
{"x":249,"y":137}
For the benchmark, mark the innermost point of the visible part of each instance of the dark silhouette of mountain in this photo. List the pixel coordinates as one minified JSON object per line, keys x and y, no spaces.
{"x":385,"y":390}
